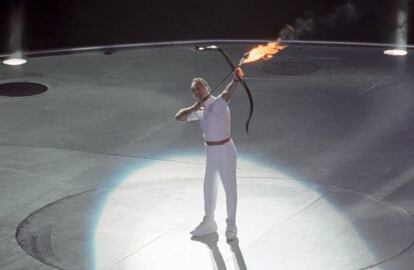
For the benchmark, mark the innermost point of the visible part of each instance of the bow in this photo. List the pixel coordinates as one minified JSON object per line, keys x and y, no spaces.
{"x":242,"y":81}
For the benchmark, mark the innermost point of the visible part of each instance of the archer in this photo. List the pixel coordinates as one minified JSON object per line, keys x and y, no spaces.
{"x":213,"y":113}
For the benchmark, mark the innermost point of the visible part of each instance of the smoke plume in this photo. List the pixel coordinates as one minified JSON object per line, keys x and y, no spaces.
{"x":310,"y":24}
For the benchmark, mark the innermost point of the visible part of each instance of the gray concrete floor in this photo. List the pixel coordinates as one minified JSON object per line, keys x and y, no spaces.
{"x":97,"y":174}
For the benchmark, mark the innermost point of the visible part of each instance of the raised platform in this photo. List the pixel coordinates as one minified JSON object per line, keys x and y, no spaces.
{"x":96,"y":173}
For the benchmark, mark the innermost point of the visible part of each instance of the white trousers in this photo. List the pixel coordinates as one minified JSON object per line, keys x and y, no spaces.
{"x":221,"y":160}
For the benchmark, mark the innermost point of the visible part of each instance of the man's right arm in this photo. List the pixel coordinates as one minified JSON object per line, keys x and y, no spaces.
{"x":182,"y":114}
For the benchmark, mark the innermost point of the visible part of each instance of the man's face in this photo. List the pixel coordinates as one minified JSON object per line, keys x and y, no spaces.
{"x":200,"y":91}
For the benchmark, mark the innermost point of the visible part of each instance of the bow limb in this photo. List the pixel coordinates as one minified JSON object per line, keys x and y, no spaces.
{"x":227,"y":58}
{"x":244,"y":84}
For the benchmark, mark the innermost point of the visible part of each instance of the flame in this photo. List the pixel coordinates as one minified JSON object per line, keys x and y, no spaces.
{"x":262,"y":52}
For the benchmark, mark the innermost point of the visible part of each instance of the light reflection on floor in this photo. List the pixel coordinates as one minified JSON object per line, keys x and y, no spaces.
{"x":146,"y":220}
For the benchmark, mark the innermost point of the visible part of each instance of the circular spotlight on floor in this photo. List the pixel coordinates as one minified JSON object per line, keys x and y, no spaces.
{"x":396,"y":52}
{"x":15,"y":61}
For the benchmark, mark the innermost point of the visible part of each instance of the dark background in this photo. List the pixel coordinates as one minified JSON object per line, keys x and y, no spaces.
{"x":48,"y":24}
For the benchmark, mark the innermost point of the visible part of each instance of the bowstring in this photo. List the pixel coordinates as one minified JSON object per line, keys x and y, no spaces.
{"x":225,"y":78}
{"x":212,"y":92}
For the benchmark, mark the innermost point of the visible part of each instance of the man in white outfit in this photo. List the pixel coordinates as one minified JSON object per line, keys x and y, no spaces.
{"x":214,"y":116}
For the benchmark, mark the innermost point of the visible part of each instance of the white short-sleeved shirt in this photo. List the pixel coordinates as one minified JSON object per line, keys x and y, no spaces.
{"x":214,"y":119}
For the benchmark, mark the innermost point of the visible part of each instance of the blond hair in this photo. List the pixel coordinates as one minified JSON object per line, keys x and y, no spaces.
{"x":199,"y":80}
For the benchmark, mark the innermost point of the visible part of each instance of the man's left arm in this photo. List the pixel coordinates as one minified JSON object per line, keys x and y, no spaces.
{"x":229,"y":90}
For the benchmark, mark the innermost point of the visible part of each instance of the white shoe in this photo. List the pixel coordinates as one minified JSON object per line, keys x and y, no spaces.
{"x":205,"y":227}
{"x":231,"y":230}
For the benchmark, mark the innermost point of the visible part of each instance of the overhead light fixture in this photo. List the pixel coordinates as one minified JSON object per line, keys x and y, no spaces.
{"x":396,"y":52}
{"x":15,"y":61}
{"x":401,"y":30}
